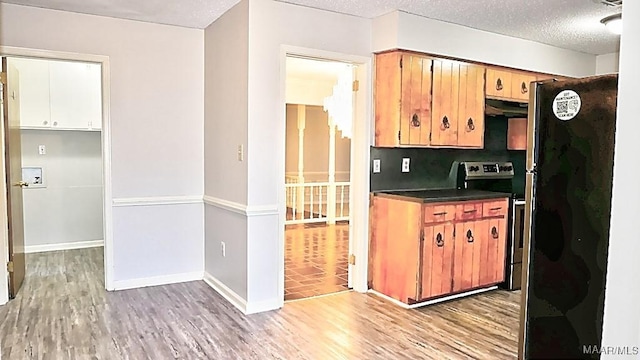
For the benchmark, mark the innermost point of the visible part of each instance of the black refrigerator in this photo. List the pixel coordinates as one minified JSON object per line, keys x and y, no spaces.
{"x":568,"y":207}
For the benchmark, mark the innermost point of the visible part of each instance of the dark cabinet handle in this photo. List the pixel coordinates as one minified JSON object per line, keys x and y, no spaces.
{"x":470,"y":211}
{"x":415,"y":122}
{"x":440,"y":213}
{"x":470,"y":125}
{"x":469,"y":236}
{"x":494,"y":233}
{"x":524,"y":88}
{"x":499,"y":84}
{"x":445,"y":123}
{"x":439,"y":240}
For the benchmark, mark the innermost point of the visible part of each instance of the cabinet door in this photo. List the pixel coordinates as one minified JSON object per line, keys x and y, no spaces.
{"x":496,"y":237}
{"x":468,"y":252}
{"x":437,"y":260}
{"x":76,"y":95}
{"x":498,"y":83}
{"x":521,"y":86}
{"x":471,"y":102}
{"x":415,"y":113}
{"x":34,"y":92}
{"x":446,"y":83}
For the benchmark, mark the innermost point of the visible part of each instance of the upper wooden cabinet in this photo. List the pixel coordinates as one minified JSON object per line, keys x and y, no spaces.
{"x":517,"y":134}
{"x":402,"y":99}
{"x":507,"y":84}
{"x":458,"y":104}
{"x":420,"y":101}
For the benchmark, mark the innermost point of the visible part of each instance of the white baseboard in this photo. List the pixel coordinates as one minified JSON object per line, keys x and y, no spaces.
{"x":222,"y":289}
{"x":430,"y":302}
{"x":29,"y":249}
{"x":263,"y":306}
{"x":157,"y":280}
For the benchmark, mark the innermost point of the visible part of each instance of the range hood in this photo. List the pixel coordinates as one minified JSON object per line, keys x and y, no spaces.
{"x":506,"y":108}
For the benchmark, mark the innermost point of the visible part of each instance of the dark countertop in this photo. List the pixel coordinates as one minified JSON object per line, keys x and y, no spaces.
{"x":440,"y":195}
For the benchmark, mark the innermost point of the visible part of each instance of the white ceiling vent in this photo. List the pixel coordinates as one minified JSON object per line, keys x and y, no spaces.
{"x":611,"y":2}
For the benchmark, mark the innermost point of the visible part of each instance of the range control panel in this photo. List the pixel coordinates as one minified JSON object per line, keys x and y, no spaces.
{"x":488,"y":169}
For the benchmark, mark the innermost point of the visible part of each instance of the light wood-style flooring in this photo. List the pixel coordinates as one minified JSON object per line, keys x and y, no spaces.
{"x":63,"y":313}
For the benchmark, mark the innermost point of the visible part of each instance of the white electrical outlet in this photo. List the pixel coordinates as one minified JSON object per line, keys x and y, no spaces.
{"x":240,"y":153}
{"x":223,"y":248}
{"x":405,"y":164}
{"x":42,"y":150}
{"x":376,"y":166}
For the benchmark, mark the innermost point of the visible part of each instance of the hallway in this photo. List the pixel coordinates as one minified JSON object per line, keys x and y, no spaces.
{"x":316,"y":259}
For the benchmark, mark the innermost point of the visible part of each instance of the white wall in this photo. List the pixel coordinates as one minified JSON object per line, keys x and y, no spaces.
{"x":316,"y":146}
{"x":272,"y":25}
{"x":442,"y":38}
{"x":607,"y":63}
{"x":622,"y":295}
{"x":157,"y":112}
{"x":226,"y":71}
{"x":69,"y":208}
{"x":308,"y":91}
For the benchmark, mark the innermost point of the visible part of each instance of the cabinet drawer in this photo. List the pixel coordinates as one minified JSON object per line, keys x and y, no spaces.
{"x":469,"y":211}
{"x":439,"y":213}
{"x":495,"y":208}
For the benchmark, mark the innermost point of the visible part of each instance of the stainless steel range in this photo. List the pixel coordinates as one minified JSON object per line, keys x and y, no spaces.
{"x":498,"y":177}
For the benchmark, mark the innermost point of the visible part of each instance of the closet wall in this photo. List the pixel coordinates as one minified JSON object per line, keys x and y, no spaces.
{"x":60,"y":110}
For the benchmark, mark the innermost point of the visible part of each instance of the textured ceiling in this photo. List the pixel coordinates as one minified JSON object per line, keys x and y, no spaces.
{"x":187,"y":13}
{"x":570,"y":24}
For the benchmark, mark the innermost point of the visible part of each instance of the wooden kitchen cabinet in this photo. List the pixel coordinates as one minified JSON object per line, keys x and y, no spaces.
{"x":506,"y":84}
{"x":517,"y":134}
{"x":394,"y":252}
{"x":521,"y":86}
{"x":458,"y":104}
{"x":498,"y":83}
{"x":469,"y":243}
{"x":402,"y":99}
{"x":420,"y":252}
{"x":493,"y":271}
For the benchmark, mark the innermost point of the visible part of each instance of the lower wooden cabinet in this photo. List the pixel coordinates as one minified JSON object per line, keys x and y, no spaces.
{"x":421,"y":252}
{"x":437,"y":260}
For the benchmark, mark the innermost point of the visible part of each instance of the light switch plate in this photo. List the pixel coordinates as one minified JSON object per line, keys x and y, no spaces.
{"x":42,"y":150}
{"x":240,"y":153}
{"x":376,"y":166}
{"x":405,"y":165}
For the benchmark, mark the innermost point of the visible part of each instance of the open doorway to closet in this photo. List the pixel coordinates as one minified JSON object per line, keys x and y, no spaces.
{"x":319,"y":127}
{"x":55,"y":140}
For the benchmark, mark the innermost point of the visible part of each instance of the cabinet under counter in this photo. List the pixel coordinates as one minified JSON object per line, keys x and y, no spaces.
{"x":424,"y":248}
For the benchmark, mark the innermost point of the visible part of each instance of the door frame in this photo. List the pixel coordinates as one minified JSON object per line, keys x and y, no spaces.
{"x":107,"y":195}
{"x":360,"y":159}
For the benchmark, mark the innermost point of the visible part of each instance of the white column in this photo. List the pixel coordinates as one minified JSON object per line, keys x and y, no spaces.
{"x":331,"y":191}
{"x":300,"y":192}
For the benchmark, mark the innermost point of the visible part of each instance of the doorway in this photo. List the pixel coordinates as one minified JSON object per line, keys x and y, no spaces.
{"x":317,"y":179}
{"x":64,"y":174}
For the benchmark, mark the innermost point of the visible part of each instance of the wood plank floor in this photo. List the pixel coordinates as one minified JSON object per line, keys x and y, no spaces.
{"x":63,"y":313}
